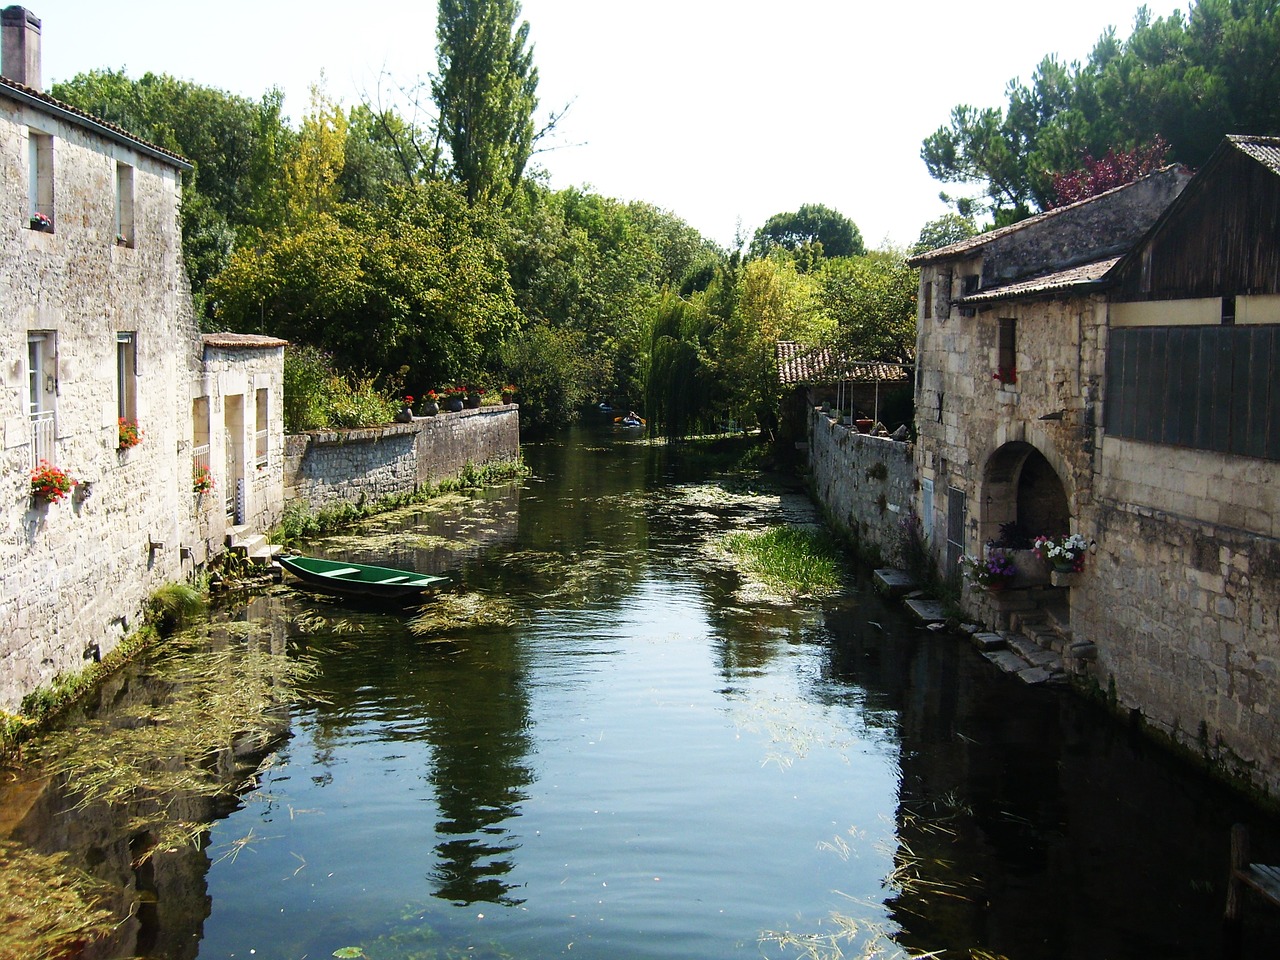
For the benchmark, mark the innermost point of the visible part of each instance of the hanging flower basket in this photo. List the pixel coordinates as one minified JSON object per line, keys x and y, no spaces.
{"x":50,"y":484}
{"x":40,"y":222}
{"x":130,"y":434}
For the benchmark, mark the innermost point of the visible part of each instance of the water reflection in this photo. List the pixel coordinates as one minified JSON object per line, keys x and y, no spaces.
{"x":602,"y":748}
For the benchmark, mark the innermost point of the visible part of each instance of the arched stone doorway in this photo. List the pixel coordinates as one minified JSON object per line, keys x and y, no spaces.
{"x":1022,"y":496}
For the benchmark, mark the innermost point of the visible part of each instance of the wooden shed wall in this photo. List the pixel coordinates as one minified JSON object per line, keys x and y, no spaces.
{"x":1223,"y":240}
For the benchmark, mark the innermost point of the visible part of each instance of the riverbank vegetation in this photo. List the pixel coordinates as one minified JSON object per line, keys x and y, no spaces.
{"x":399,"y":254}
{"x":794,"y":561}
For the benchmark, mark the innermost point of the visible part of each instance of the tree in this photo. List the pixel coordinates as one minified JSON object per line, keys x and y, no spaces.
{"x":812,"y":232}
{"x":485,"y":94}
{"x":420,"y":282}
{"x":943,"y":231}
{"x":872,"y":300}
{"x":1190,"y":79}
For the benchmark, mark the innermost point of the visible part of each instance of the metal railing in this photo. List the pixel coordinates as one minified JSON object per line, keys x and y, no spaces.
{"x":260,"y":447}
{"x":43,"y":436}
{"x":200,"y":458}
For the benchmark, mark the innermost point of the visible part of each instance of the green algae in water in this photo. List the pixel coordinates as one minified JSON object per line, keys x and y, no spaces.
{"x":48,"y":908}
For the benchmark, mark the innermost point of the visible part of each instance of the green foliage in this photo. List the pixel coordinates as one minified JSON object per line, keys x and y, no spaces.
{"x":872,"y":300}
{"x":1190,"y":79}
{"x":318,"y":396}
{"x":235,"y":144}
{"x":793,"y":560}
{"x":811,"y":233}
{"x":945,"y":230}
{"x":556,"y":373}
{"x":420,"y":282}
{"x":173,"y":606}
{"x":485,"y":93}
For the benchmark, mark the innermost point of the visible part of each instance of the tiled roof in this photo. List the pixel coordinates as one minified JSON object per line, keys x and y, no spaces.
{"x":961,"y":247}
{"x":1266,"y":150}
{"x":1085,"y":275}
{"x":801,"y":364}
{"x":242,"y":341}
{"x":21,"y":91}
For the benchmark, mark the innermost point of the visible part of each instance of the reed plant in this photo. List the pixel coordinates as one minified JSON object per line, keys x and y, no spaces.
{"x":796,"y":560}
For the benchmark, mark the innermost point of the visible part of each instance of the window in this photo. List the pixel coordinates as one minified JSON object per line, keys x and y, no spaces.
{"x":40,"y":181}
{"x":124,"y":205}
{"x":260,"y":427}
{"x":928,"y":299}
{"x":1228,"y":311}
{"x":127,"y":376}
{"x":42,"y":394}
{"x":1007,"y":351}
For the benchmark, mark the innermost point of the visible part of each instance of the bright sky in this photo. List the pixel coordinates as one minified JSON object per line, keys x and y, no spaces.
{"x":721,"y":111}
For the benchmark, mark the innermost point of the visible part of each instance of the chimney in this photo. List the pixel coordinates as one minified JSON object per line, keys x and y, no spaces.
{"x":20,"y":56}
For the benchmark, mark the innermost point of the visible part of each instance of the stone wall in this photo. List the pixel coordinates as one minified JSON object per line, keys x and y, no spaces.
{"x":330,"y":467}
{"x":866,"y":483}
{"x":74,"y":575}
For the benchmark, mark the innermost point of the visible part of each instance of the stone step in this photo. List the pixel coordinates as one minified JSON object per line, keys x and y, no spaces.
{"x":926,"y":611}
{"x":892,"y":582}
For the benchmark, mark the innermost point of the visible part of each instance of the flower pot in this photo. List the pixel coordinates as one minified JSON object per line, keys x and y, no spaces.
{"x":508,"y":398}
{"x":473,"y":401}
{"x":430,"y":408}
{"x":863,"y":425}
{"x":404,"y":415}
{"x":1064,"y":566}
{"x":996,"y":586}
{"x":453,"y":404}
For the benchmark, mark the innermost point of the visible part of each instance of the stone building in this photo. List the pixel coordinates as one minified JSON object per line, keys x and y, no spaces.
{"x":99,"y":336}
{"x":1110,"y":369}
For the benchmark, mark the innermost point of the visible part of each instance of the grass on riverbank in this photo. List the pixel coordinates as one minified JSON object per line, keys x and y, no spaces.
{"x":299,"y":523}
{"x":791,"y":560}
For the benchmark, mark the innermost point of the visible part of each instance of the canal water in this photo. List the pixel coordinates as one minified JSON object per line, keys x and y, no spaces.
{"x":604,"y":745}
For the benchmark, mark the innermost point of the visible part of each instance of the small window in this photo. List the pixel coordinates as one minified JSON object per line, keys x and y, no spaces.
{"x":261,"y":448}
{"x":40,"y":181}
{"x":928,"y":299}
{"x":968,"y":284}
{"x":124,"y":205}
{"x":127,"y":376}
{"x":1228,"y":311}
{"x":1007,"y":352}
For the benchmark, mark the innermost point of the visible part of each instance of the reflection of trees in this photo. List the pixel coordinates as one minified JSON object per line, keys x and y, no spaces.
{"x":470,"y":705}
{"x":480,"y":712}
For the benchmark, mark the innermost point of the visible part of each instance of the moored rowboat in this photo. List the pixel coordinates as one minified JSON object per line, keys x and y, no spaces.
{"x":359,"y":579}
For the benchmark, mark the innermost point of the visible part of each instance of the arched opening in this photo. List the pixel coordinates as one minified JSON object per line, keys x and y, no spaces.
{"x":1023,"y":497}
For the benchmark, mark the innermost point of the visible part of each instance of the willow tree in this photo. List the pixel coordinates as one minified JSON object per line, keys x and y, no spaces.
{"x":485,"y":92}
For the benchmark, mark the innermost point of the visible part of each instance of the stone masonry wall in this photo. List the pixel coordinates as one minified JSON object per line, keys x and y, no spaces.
{"x":327,"y":468}
{"x":866,"y":483}
{"x":74,"y":575}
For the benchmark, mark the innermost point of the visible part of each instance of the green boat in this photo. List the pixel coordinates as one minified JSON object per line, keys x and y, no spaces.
{"x":360,"y":579}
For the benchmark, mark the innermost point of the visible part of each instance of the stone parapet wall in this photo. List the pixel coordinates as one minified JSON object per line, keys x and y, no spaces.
{"x":330,"y":467}
{"x":866,"y":483}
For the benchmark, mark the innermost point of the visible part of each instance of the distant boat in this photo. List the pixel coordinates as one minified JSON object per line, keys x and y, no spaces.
{"x":606,"y":406}
{"x":359,"y":579}
{"x":630,"y":420}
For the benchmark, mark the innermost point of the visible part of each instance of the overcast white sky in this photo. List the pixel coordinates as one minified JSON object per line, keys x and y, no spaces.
{"x":721,"y":111}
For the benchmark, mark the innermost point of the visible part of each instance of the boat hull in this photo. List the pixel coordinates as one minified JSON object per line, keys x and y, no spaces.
{"x":360,"y":579}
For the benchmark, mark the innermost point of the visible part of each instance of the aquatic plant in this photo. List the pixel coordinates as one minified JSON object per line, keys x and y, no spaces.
{"x":796,"y":560}
{"x":51,"y":909}
{"x":173,"y":606}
